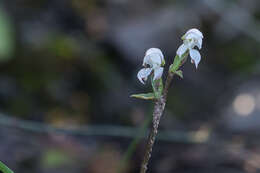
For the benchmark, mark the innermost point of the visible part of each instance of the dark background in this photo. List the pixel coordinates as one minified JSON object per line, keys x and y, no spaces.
{"x":68,"y":67}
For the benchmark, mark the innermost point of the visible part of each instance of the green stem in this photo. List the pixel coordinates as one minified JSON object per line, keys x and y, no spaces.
{"x":4,"y":168}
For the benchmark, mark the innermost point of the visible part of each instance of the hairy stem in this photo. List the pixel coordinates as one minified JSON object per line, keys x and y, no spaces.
{"x":158,"y":111}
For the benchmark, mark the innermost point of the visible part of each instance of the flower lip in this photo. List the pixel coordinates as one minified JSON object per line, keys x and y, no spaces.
{"x":195,"y":57}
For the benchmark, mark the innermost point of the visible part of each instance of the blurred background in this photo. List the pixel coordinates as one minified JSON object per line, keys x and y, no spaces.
{"x":68,"y":67}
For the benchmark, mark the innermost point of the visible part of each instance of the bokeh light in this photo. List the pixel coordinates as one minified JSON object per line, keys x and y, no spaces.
{"x":244,"y":104}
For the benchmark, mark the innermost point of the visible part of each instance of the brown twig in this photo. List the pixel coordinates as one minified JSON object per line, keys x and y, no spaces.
{"x":158,"y":111}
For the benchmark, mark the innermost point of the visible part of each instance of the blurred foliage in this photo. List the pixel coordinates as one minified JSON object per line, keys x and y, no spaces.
{"x":56,"y":158}
{"x":242,"y":58}
{"x":6,"y":35}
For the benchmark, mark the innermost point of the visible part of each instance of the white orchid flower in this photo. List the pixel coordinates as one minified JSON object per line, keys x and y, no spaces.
{"x":153,"y":62}
{"x":191,"y":38}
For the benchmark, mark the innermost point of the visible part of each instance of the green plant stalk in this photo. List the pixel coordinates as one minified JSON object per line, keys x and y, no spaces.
{"x":4,"y":168}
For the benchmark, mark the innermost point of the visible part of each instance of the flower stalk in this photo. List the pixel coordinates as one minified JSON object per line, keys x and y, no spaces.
{"x":157,"y":114}
{"x":153,"y":66}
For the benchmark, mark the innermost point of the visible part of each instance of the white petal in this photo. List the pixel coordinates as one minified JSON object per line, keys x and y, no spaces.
{"x":146,"y":60}
{"x":143,"y":74}
{"x":190,"y":44}
{"x":195,"y":31}
{"x":181,"y":50}
{"x":192,"y":35}
{"x":199,"y":43}
{"x":158,"y":73}
{"x":155,"y":59}
{"x":195,"y":56}
{"x":154,"y":50}
{"x":153,"y":55}
{"x":152,"y":60}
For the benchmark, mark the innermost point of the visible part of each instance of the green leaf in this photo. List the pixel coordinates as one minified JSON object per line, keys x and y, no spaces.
{"x":4,"y":168}
{"x":179,"y":73}
{"x":146,"y":96}
{"x":176,"y":64}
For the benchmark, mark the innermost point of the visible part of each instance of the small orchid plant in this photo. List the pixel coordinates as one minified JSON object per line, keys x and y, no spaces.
{"x":153,"y":66}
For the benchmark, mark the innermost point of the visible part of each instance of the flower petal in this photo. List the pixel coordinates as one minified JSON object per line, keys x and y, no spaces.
{"x":194,"y":31}
{"x":153,"y":57}
{"x":158,"y":73}
{"x":192,"y":36}
{"x":181,"y":50}
{"x":190,"y":44}
{"x":146,"y":60}
{"x":143,"y":74}
{"x":195,"y":56}
{"x":154,"y":50}
{"x":152,"y":60}
{"x":199,"y":43}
